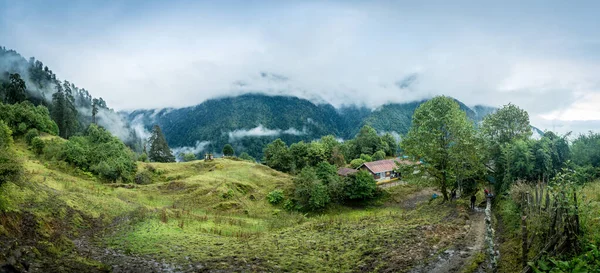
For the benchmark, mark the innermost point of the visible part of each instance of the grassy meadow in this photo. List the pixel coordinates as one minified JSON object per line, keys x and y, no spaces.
{"x":215,"y":215}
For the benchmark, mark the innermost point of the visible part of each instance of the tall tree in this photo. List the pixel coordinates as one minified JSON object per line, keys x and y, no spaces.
{"x":228,"y":150}
{"x":94,"y":110}
{"x":501,"y":129}
{"x":441,"y":135}
{"x":159,"y":149}
{"x":15,"y":89}
{"x":58,"y":112}
{"x":70,"y":114}
{"x":277,"y":156}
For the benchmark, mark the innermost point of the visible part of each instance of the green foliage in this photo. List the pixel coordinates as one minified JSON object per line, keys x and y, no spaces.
{"x":38,"y":145}
{"x":367,"y":141}
{"x":360,"y":186}
{"x":310,"y":192}
{"x":143,"y":178}
{"x":366,"y":158}
{"x":392,"y":144}
{"x":159,"y":149}
{"x":443,"y":137}
{"x":379,"y":155}
{"x":32,"y":133}
{"x":277,"y":156}
{"x":247,"y":157}
{"x":97,"y":151}
{"x":187,"y":157}
{"x":64,"y":111}
{"x":586,"y":154}
{"x":11,"y":168}
{"x":5,"y":135}
{"x":14,"y":89}
{"x":228,"y":150}
{"x":355,"y":163}
{"x":143,"y":157}
{"x":275,"y":197}
{"x":30,"y":116}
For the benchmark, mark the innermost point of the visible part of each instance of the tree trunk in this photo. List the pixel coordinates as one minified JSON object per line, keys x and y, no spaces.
{"x":443,"y":188}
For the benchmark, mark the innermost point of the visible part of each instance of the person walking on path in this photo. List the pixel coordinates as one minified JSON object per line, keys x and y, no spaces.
{"x":473,"y":199}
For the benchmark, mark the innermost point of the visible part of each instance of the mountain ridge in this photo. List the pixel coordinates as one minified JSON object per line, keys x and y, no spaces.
{"x":250,"y":121}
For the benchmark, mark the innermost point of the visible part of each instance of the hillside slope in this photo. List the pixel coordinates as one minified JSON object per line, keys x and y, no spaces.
{"x":208,"y":216}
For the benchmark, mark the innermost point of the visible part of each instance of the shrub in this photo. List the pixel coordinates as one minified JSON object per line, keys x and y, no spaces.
{"x":38,"y":145}
{"x":22,"y":116}
{"x":10,"y":168}
{"x":5,"y":135}
{"x":247,"y":157}
{"x":355,"y":163}
{"x":187,"y":157}
{"x":228,"y":150}
{"x":310,"y":193}
{"x":366,"y":157}
{"x":275,"y":197}
{"x":143,"y":178}
{"x":360,"y":186}
{"x":379,"y":155}
{"x":31,"y":134}
{"x":143,"y":157}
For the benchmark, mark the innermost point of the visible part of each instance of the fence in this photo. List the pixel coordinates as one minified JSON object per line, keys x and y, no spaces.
{"x":557,"y":220}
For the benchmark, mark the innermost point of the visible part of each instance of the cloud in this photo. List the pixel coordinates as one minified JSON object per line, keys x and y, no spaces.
{"x":540,"y":56}
{"x":261,"y":131}
{"x":199,"y":147}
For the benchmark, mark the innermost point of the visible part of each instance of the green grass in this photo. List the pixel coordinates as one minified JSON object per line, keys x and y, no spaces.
{"x":216,"y":213}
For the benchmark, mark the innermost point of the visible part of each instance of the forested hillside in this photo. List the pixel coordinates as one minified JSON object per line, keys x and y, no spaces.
{"x":251,"y":121}
{"x":71,"y":107}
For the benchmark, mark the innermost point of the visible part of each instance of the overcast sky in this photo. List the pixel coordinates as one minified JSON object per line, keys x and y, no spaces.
{"x":541,"y":55}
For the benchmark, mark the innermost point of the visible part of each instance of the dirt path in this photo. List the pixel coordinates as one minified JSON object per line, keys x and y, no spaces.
{"x":413,"y":200}
{"x":459,"y":255}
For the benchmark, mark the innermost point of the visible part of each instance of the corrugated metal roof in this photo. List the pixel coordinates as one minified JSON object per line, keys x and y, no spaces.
{"x":346,"y":171}
{"x":387,"y":165}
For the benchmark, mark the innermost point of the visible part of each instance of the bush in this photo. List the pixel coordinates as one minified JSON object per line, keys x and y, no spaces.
{"x":379,"y":155}
{"x":10,"y":168}
{"x":228,"y":150}
{"x":247,"y":157}
{"x":38,"y":145}
{"x":187,"y":157}
{"x":32,"y":133}
{"x":366,"y":157}
{"x":310,"y":193}
{"x":275,"y":197}
{"x":5,"y":135}
{"x":23,"y":116}
{"x":355,"y":163}
{"x":143,"y":157}
{"x":360,"y":186}
{"x":143,"y":178}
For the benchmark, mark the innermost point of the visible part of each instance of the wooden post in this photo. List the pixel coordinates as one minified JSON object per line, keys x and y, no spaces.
{"x":524,"y":239}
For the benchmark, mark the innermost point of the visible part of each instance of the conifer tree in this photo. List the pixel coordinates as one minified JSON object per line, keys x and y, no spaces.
{"x":15,"y":89}
{"x":159,"y":149}
{"x":95,"y":110}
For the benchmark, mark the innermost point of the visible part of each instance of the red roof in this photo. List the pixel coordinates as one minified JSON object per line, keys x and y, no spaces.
{"x":346,"y":171}
{"x":387,"y":165}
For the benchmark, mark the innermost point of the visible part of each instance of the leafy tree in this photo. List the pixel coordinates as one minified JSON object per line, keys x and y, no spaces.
{"x":228,"y":150}
{"x":187,"y":157}
{"x":337,"y":157}
{"x":277,"y":156}
{"x":317,"y":153}
{"x":23,"y":116}
{"x":355,"y":163}
{"x":247,"y":157}
{"x":379,"y":155}
{"x":367,"y":141}
{"x":586,"y":150}
{"x":329,"y":143}
{"x":299,"y":154}
{"x":143,"y":157}
{"x":441,"y":135}
{"x":392,"y":145}
{"x":310,"y":192}
{"x":507,"y":125}
{"x":159,"y":149}
{"x":360,"y":186}
{"x":366,"y":158}
{"x":15,"y":89}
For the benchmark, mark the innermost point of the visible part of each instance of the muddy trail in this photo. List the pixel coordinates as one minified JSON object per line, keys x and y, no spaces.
{"x":458,"y":256}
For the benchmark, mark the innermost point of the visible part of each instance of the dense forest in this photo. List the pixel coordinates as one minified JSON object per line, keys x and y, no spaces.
{"x":251,"y":121}
{"x":71,"y":107}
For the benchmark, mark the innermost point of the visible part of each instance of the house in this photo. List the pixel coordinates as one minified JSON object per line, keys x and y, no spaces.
{"x":383,"y":170}
{"x":346,"y":171}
